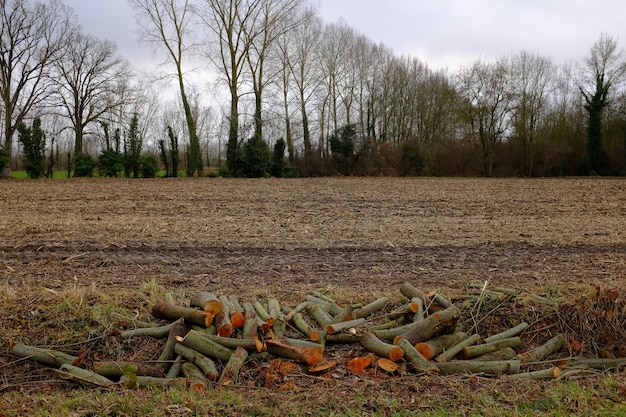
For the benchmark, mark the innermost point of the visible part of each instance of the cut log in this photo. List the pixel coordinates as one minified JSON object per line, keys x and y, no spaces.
{"x":412,"y":307}
{"x":311,"y":355}
{"x":320,"y":315}
{"x":433,"y":347}
{"x":237,"y":314}
{"x":297,"y":309}
{"x":251,"y":328}
{"x":601,"y":364}
{"x":207,"y":347}
{"x":206,"y":365}
{"x":439,"y":299}
{"x":115,"y":369}
{"x":409,"y":291}
{"x":278,"y":326}
{"x":251,"y":345}
{"x":206,"y":301}
{"x":452,"y":351}
{"x":437,"y":323}
{"x":371,"y":308}
{"x":372,"y":343}
{"x":174,"y":312}
{"x":499,"y":355}
{"x":178,"y":384}
{"x":544,"y":350}
{"x":178,"y":329}
{"x":158,"y":332}
{"x":342,"y":338}
{"x":469,"y":352}
{"x":390,"y":324}
{"x":513,"y":331}
{"x":261,"y":311}
{"x":176,"y":368}
{"x":554,"y":372}
{"x":473,"y":367}
{"x":303,"y":326}
{"x":197,"y":381}
{"x":331,"y":307}
{"x":344,"y":314}
{"x":416,"y":359}
{"x":344,"y":325}
{"x":43,"y":356}
{"x":222,"y":319}
{"x":324,"y":297}
{"x":231,"y":370}
{"x":85,"y":376}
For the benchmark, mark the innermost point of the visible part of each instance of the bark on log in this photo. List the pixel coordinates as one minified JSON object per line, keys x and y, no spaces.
{"x":206,"y":301}
{"x":158,"y":332}
{"x":433,"y":347}
{"x":544,"y":350}
{"x":311,"y":355}
{"x":174,"y":312}
{"x":320,"y":315}
{"x":371,"y":308}
{"x":343,"y":315}
{"x":489,"y":368}
{"x":276,"y":315}
{"x":553,"y":372}
{"x":303,"y":326}
{"x":115,"y":369}
{"x":43,"y":356}
{"x":440,"y":322}
{"x":206,"y":365}
{"x":86,"y":376}
{"x":439,"y":299}
{"x":222,"y":319}
{"x":409,"y":291}
{"x":419,"y":362}
{"x":197,"y":381}
{"x":251,"y":345}
{"x":413,"y":307}
{"x":234,"y":365}
{"x":331,"y":307}
{"x":372,"y":343}
{"x":477,"y":350}
{"x":296,"y":309}
{"x":456,"y":349}
{"x":513,"y":331}
{"x":601,"y":364}
{"x":176,"y":368}
{"x":499,"y":355}
{"x":179,"y":384}
{"x":344,"y":325}
{"x":207,"y":347}
{"x":178,"y":329}
{"x":390,"y":324}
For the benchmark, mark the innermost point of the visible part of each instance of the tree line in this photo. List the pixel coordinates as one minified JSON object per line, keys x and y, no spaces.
{"x":266,"y":87}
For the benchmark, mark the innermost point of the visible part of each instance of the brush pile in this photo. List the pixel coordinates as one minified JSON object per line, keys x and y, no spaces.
{"x":213,"y":338}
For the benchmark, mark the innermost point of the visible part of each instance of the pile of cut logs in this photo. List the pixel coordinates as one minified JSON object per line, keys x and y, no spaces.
{"x":212,"y":339}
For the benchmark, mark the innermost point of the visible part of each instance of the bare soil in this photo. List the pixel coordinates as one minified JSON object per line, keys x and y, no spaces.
{"x":354,"y":238}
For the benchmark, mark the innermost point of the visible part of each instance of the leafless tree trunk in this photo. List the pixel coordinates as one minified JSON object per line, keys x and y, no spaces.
{"x":167,"y":24}
{"x":32,"y":36}
{"x":88,"y":78}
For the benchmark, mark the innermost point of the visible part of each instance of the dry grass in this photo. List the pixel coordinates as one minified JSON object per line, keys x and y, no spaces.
{"x":78,"y":256}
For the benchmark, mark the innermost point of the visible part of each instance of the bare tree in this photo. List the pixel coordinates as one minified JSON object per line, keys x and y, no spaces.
{"x":486,"y":90}
{"x":298,"y":52}
{"x":533,"y":84}
{"x":274,"y":19}
{"x":229,"y":22}
{"x":32,"y":36}
{"x":603,"y":70}
{"x":89,"y":78}
{"x":167,"y":24}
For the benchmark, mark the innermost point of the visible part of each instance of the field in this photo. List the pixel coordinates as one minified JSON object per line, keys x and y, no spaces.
{"x":75,"y":255}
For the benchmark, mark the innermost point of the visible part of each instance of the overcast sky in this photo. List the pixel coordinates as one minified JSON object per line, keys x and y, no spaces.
{"x":442,"y":33}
